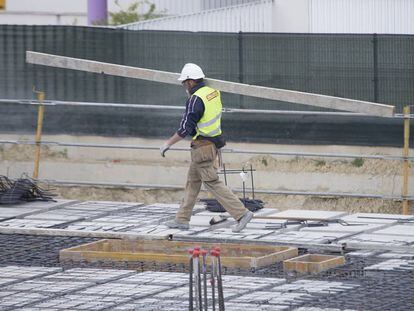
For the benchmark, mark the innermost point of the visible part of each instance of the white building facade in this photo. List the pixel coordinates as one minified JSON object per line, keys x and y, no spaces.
{"x":296,"y":16}
{"x":291,"y":16}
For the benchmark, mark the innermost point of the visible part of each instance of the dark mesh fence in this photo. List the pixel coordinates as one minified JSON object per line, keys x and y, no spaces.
{"x":367,"y":67}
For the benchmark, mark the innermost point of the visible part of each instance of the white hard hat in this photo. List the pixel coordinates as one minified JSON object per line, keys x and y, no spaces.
{"x":191,"y":71}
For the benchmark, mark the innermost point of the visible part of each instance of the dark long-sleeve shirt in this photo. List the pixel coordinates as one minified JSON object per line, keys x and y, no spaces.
{"x":194,"y":110}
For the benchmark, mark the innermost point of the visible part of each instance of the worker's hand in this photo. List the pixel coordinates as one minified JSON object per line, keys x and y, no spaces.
{"x":164,"y":149}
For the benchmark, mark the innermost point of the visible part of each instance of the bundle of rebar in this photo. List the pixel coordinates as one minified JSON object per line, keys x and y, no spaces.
{"x":22,"y":190}
{"x":198,"y":300}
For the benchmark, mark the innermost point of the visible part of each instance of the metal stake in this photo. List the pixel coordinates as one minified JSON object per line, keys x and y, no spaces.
{"x":196,"y":280}
{"x":191,"y":301}
{"x":244,"y":187}
{"x":199,"y":291}
{"x":40,"y":113}
{"x":251,"y":173}
{"x":204,"y":254}
{"x":406,"y":151}
{"x":219,"y":282}
{"x":212,"y":281}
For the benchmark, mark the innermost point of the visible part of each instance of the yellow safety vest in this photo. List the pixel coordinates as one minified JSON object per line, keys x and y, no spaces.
{"x":210,"y":123}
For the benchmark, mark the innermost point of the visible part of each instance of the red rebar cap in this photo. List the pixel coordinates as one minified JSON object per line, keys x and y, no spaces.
{"x":196,"y":253}
{"x":190,"y":251}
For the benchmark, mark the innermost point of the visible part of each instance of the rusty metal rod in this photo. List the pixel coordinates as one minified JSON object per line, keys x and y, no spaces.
{"x":406,"y":151}
{"x":38,"y":140}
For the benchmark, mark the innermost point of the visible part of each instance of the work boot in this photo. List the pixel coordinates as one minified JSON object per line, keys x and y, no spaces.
{"x":242,"y":222}
{"x":177,"y":225}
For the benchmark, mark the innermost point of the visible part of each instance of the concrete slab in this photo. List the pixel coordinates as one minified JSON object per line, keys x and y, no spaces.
{"x":308,"y":215}
{"x":363,"y":253}
{"x":170,"y":207}
{"x":29,"y":208}
{"x":156,"y":277}
{"x":89,"y":275}
{"x":396,"y":255}
{"x":272,"y":298}
{"x":405,"y":230}
{"x":157,"y":230}
{"x":42,"y":205}
{"x":6,"y":281}
{"x":16,"y":299}
{"x":9,"y":212}
{"x":46,"y":286}
{"x":151,"y":304}
{"x":303,"y":237}
{"x":110,"y":289}
{"x":231,"y":306}
{"x":226,"y":233}
{"x":315,"y":287}
{"x":336,"y":227}
{"x":379,"y":239}
{"x":321,"y":309}
{"x":31,"y":223}
{"x":376,"y":218}
{"x":392,"y":264}
{"x":25,"y":272}
{"x":133,"y":218}
{"x":102,"y":226}
{"x":266,"y":211}
{"x":127,"y":217}
{"x":124,"y":290}
{"x":279,"y":225}
{"x":81,"y":302}
{"x":104,"y":206}
{"x":203,"y":221}
{"x":252,"y":283}
{"x":64,"y":215}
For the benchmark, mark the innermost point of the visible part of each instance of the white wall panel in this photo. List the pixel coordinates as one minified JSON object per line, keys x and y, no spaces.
{"x":361,"y":16}
{"x":176,"y":7}
{"x":251,"y":17}
{"x":43,"y":19}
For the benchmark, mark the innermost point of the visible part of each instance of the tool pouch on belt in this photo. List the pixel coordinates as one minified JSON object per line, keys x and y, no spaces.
{"x":203,"y":151}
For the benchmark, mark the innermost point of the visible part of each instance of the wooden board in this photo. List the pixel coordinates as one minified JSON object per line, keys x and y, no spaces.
{"x":313,"y":263}
{"x":290,"y":96}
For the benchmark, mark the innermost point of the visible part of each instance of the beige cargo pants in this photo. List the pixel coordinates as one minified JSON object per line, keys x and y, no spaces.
{"x":203,"y":169}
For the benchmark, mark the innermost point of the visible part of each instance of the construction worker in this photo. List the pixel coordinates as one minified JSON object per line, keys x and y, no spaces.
{"x":202,"y":121}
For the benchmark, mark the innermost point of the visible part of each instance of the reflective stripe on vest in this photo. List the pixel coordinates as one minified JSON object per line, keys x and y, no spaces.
{"x":210,"y":123}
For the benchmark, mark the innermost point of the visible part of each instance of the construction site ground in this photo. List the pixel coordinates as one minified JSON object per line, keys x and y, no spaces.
{"x":116,"y":166}
{"x":378,"y":247}
{"x":377,"y":275}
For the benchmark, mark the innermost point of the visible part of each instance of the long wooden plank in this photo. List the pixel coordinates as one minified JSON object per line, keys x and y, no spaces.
{"x":369,"y":108}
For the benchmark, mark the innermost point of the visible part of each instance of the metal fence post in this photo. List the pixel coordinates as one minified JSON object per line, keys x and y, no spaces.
{"x":40,"y":98}
{"x":241,"y":69}
{"x":406,"y":151}
{"x":375,"y":56}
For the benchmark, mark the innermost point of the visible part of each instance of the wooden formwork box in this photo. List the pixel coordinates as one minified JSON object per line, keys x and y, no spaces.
{"x":313,"y":263}
{"x":176,"y":252}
